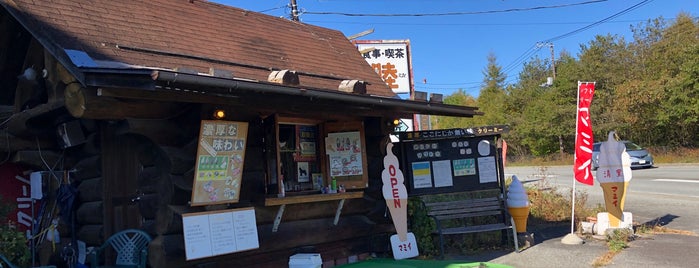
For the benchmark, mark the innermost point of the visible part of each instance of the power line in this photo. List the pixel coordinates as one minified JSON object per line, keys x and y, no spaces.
{"x":598,"y":22}
{"x":531,"y":51}
{"x":274,"y":8}
{"x":521,"y":59}
{"x":524,"y":24}
{"x":454,"y":13}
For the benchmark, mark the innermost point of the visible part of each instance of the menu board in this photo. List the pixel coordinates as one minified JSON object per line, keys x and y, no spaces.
{"x":219,"y":167}
{"x":208,"y":234}
{"x":451,"y":163}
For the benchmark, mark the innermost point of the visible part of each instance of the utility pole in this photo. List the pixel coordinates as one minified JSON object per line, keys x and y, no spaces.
{"x":294,"y":11}
{"x":553,"y":61}
{"x":561,"y":146}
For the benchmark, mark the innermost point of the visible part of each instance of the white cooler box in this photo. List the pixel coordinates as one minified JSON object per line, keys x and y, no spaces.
{"x":305,"y":260}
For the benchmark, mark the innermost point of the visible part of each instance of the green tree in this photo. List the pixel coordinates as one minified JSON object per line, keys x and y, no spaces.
{"x":606,"y":61}
{"x":522,"y":109}
{"x":492,"y":97}
{"x":461,"y":98}
{"x":676,"y":61}
{"x":661,"y":90}
{"x":646,"y":89}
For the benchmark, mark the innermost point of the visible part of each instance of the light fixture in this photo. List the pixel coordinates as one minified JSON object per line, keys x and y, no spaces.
{"x":219,"y":114}
{"x":393,"y":123}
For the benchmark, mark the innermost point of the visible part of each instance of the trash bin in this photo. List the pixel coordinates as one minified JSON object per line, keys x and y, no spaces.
{"x":305,"y":260}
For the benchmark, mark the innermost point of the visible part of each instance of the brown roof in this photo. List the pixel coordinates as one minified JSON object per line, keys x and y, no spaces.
{"x":199,"y":35}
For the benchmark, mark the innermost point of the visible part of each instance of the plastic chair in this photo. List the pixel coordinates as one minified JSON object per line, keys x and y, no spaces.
{"x":4,"y":262}
{"x":131,"y":247}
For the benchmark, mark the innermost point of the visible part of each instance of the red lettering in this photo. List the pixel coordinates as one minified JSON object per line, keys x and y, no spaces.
{"x":394,"y":190}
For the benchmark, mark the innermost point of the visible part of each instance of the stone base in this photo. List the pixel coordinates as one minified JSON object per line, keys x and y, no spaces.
{"x":602,"y":224}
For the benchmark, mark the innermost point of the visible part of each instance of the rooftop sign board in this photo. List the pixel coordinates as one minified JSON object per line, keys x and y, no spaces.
{"x":391,"y":60}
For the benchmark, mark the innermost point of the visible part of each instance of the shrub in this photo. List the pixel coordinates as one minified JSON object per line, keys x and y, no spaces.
{"x":13,"y":243}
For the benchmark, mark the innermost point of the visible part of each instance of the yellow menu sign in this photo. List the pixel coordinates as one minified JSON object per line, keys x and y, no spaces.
{"x":219,"y":167}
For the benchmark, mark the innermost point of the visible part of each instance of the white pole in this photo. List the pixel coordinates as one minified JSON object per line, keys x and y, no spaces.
{"x":571,"y":238}
{"x":572,"y":211}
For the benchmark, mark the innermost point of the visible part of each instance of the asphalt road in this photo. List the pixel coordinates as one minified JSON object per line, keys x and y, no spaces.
{"x":668,"y":194}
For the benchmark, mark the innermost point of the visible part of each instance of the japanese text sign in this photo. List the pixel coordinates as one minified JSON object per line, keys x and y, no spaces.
{"x":219,"y":167}
{"x":391,"y":61}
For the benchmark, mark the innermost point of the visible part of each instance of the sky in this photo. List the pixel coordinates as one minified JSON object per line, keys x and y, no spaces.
{"x":450,"y":40}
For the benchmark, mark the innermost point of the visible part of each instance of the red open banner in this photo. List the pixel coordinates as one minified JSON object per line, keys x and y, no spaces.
{"x":583,"y":135}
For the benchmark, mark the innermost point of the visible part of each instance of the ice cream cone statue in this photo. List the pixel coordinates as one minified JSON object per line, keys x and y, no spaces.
{"x":614,"y":174}
{"x":396,"y":195}
{"x":518,"y":204}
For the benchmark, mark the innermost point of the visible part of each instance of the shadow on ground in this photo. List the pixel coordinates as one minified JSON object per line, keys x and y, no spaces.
{"x":661,"y":221}
{"x":541,"y":231}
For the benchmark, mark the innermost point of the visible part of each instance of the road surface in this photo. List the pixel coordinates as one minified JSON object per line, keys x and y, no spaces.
{"x":668,"y":194}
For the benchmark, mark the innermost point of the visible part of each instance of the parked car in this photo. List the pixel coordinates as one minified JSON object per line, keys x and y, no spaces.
{"x":640,"y":157}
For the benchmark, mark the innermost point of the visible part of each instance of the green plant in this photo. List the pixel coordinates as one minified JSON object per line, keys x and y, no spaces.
{"x":421,"y":226}
{"x":550,"y":204}
{"x":13,"y":243}
{"x":618,"y":239}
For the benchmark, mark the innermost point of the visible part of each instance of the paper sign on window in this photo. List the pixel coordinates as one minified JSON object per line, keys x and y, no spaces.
{"x":345,"y":152}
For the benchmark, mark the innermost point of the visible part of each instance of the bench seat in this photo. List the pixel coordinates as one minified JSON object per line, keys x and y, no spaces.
{"x":493,"y":207}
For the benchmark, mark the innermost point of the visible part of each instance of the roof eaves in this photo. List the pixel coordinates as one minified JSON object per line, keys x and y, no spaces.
{"x":228,"y":86}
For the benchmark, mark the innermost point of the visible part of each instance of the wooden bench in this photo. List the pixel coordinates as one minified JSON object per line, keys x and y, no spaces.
{"x":493,"y":207}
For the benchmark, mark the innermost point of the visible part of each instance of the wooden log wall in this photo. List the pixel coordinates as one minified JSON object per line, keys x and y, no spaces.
{"x":161,"y":140}
{"x":164,"y":186}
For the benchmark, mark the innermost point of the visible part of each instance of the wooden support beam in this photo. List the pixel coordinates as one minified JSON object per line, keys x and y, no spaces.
{"x":168,"y":95}
{"x":85,"y":102}
{"x":10,"y":143}
{"x":36,"y":159}
{"x":163,"y":132}
{"x":34,"y":121}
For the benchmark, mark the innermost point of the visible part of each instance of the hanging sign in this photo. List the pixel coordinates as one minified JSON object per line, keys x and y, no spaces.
{"x":219,"y":167}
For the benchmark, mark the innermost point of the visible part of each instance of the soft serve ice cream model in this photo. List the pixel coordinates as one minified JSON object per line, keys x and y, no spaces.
{"x":404,"y":243}
{"x":614,"y":174}
{"x":518,"y":204}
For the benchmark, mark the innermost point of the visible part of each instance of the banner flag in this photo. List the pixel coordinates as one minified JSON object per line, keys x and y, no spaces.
{"x":583,"y":134}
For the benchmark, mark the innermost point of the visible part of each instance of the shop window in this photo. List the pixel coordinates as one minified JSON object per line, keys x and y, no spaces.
{"x":303,"y":156}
